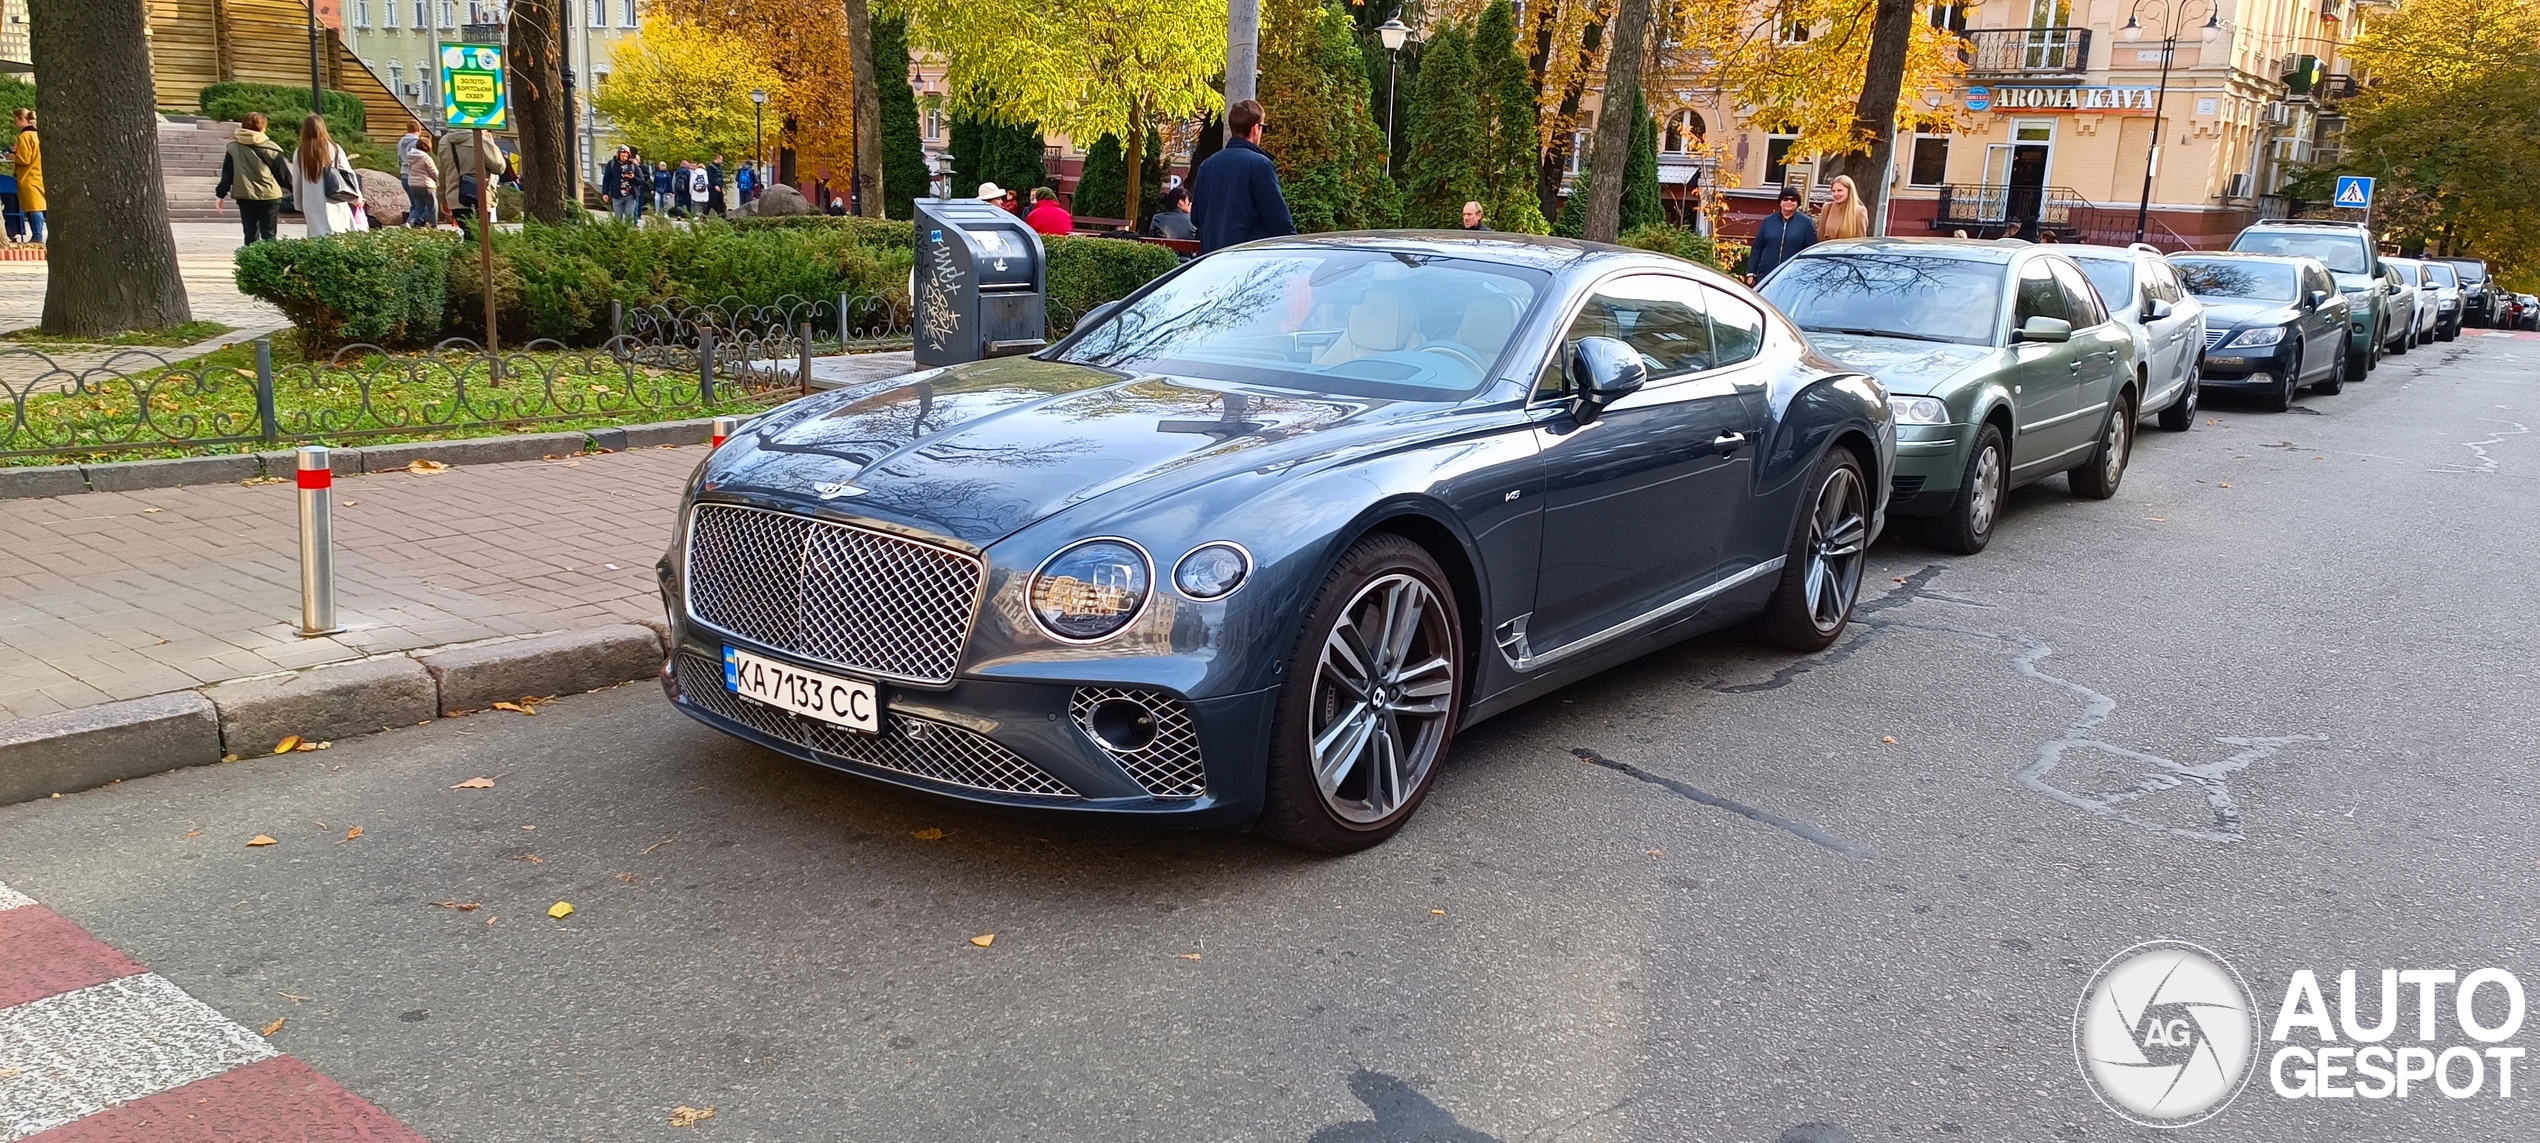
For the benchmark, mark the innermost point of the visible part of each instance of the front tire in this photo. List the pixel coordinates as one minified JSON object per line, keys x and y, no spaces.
{"x":2098,"y":477}
{"x":2282,"y":398}
{"x":1821,"y":569}
{"x":2354,"y":369}
{"x":2181,"y":415}
{"x":1967,"y":526}
{"x":2334,"y":381}
{"x":1373,"y":689}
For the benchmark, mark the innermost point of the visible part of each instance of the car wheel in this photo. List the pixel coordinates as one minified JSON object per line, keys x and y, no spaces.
{"x":2354,"y":367}
{"x":1821,"y":570}
{"x":2332,"y":382}
{"x":2282,"y":397}
{"x":2098,"y":477}
{"x":1967,"y":526}
{"x":2406,"y":340}
{"x":2372,"y":357}
{"x":1370,"y":702}
{"x":2181,"y":415}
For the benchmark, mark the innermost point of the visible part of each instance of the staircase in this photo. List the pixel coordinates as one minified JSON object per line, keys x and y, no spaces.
{"x":190,"y":151}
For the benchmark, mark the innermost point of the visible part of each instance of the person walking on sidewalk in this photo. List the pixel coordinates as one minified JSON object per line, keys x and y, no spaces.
{"x":694,"y":179}
{"x":1235,"y":194}
{"x":258,"y":175}
{"x":714,"y":187}
{"x":423,"y":186}
{"x":661,"y":189}
{"x":29,"y":155}
{"x":1786,"y":231}
{"x":319,"y":163}
{"x":1844,"y":216}
{"x":617,"y":184}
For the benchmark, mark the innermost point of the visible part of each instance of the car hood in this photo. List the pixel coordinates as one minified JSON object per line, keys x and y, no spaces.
{"x":2233,"y":312}
{"x":978,"y":451}
{"x":1902,"y":364}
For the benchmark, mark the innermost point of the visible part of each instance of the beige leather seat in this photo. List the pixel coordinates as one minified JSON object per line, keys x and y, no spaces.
{"x":1380,"y":323}
{"x":1489,"y":321}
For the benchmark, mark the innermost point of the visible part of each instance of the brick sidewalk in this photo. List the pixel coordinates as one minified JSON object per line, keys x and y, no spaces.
{"x":116,"y":595}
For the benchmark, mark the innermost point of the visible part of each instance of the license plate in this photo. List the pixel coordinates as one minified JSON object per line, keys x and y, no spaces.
{"x":851,"y":703}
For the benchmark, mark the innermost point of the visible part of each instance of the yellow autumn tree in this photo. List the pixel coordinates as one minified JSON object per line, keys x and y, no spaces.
{"x":804,"y":43}
{"x":682,"y":92}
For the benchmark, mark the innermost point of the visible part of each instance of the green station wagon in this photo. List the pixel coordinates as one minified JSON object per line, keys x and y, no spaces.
{"x":1999,"y":358}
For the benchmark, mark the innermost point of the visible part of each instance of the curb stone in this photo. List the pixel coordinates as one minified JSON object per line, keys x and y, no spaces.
{"x":65,"y":480}
{"x":328,"y":702}
{"x":92,"y":746}
{"x":132,"y":475}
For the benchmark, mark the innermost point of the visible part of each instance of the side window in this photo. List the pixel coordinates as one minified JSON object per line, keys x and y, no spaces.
{"x":1659,"y":316}
{"x":2038,"y":295}
{"x":1737,"y":329}
{"x":2080,"y":301}
{"x":2156,"y":275}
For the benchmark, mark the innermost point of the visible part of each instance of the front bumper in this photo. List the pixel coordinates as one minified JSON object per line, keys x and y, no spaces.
{"x":2244,"y":367}
{"x":1017,"y":745}
{"x":1930,"y":462}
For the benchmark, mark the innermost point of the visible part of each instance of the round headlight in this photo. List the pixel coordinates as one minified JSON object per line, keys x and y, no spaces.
{"x":1211,"y":571}
{"x":1090,"y":591}
{"x":1918,"y":410}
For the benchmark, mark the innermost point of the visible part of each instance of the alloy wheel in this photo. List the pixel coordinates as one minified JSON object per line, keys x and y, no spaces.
{"x":1985,"y":499}
{"x":1838,"y":539}
{"x":2120,"y":442}
{"x":1384,"y":689}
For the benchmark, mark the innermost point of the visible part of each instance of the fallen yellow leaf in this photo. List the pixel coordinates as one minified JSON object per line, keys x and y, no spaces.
{"x":531,"y":858}
{"x":930,"y":833}
{"x":1437,"y":912}
{"x":305,"y":747}
{"x":2226,"y":484}
{"x":287,"y":745}
{"x":259,"y":839}
{"x":475,"y":784}
{"x":274,"y":1027}
{"x":515,"y":708}
{"x":191,"y":834}
{"x":229,"y":758}
{"x":352,"y":833}
{"x":1658,"y":853}
{"x":352,"y":503}
{"x":1887,"y":740}
{"x":983,"y":940}
{"x":560,"y":910}
{"x":462,"y":906}
{"x":427,"y":468}
{"x":685,"y":1116}
{"x":1190,"y":956}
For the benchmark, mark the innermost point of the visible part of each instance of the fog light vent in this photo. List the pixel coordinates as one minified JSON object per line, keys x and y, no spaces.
{"x":1148,"y":733}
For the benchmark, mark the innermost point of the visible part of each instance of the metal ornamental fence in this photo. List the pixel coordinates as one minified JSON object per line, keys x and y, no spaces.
{"x":660,"y":362}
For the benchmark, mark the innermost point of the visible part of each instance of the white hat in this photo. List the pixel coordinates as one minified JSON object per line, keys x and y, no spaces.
{"x":991,"y":192}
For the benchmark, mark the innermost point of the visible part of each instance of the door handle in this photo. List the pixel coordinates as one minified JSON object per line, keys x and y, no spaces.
{"x":1728,"y":442}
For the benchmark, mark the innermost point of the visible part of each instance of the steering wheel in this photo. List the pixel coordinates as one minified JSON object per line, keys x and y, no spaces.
{"x":1450,"y":349}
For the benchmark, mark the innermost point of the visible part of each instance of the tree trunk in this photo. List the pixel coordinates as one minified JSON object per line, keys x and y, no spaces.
{"x":868,"y":107}
{"x":1243,"y":49}
{"x":1133,"y":150}
{"x":112,"y":266}
{"x":1555,"y":167}
{"x":1614,"y":124}
{"x":1874,"y":117}
{"x":546,"y":114}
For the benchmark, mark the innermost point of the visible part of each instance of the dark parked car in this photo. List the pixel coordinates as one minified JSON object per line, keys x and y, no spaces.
{"x":2272,"y":324}
{"x":1254,"y":545}
{"x":2480,"y":300}
{"x":2348,"y":250}
{"x":2000,"y":359}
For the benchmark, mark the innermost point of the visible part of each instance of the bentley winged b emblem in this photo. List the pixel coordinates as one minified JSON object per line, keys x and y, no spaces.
{"x":833,"y":489}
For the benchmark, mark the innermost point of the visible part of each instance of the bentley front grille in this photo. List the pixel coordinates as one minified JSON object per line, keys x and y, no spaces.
{"x":922,"y":747}
{"x":850,"y":597}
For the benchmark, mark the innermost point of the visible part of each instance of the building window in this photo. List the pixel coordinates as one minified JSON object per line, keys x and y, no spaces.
{"x":1684,"y":129}
{"x":599,"y":14}
{"x":626,"y":14}
{"x":1930,"y":165}
{"x":1790,"y":29}
{"x":449,"y":14}
{"x":396,"y":78}
{"x":425,"y":78}
{"x":934,"y":124}
{"x":1950,"y":17}
{"x":1777,"y":159}
{"x":361,"y":13}
{"x":388,"y":14}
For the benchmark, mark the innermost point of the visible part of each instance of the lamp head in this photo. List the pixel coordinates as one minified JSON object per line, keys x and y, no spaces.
{"x":2213,"y":28}
{"x":1393,"y":32}
{"x":758,"y":95}
{"x":2133,"y":29}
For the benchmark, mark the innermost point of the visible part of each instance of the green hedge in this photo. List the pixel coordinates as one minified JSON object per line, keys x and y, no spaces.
{"x":14,"y":94}
{"x":1683,"y":242}
{"x":386,"y":287}
{"x":413,"y":287}
{"x":282,"y":105}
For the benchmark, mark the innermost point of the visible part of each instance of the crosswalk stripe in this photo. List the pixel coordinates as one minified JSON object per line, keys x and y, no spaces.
{"x":74,"y":1054}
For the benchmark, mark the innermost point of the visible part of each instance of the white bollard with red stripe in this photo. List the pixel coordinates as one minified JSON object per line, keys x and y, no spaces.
{"x":723,"y":427}
{"x":317,"y":542}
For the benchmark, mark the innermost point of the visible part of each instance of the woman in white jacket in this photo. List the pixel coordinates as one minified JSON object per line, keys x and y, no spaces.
{"x":318,"y":154}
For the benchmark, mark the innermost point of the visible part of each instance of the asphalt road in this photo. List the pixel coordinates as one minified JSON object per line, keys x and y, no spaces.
{"x":2276,"y":698}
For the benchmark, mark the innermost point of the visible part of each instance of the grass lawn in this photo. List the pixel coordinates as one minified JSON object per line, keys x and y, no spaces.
{"x":174,"y":337}
{"x":372,"y":399}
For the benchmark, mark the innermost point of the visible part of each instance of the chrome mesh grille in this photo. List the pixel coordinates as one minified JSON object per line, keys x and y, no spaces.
{"x":2213,"y":337}
{"x":923,"y":747}
{"x":1169,"y":766}
{"x":849,"y":597}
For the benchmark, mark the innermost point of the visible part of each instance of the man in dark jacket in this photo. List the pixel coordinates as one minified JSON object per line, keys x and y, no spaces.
{"x":258,"y":174}
{"x":1784,"y":233}
{"x":1235,"y":194}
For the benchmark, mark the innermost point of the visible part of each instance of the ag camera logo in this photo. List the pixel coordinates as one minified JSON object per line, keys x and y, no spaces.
{"x":2165,"y":1034}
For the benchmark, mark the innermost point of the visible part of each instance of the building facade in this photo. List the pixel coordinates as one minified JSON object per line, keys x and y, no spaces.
{"x":398,"y":41}
{"x":2061,"y":112}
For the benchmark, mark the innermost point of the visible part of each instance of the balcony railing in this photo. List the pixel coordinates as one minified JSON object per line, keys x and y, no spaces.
{"x":1987,"y":210}
{"x":2028,"y":51}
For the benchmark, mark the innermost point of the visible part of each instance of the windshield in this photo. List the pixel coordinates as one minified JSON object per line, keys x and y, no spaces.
{"x":2115,"y":279}
{"x":2471,"y":272}
{"x":2407,"y":273}
{"x":1896,"y":295}
{"x":2254,"y":281}
{"x":2442,"y":274}
{"x":2342,"y":250}
{"x":1345,"y":320}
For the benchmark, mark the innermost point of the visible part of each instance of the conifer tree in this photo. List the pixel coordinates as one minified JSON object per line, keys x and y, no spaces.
{"x":1449,"y":144}
{"x":1320,"y":129}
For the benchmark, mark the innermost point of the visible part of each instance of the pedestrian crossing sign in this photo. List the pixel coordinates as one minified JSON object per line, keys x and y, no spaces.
{"x":2354,"y":192}
{"x":472,"y":89}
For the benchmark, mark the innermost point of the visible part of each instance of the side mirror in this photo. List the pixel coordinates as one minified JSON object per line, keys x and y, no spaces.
{"x":2318,"y":298}
{"x":2044,"y":328}
{"x":1604,"y":370}
{"x":2158,"y":309}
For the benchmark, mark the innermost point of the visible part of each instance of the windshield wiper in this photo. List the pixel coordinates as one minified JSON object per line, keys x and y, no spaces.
{"x":1883,"y":333}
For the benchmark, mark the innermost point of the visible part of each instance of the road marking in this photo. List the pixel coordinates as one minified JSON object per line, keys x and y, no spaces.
{"x":79,"y":1053}
{"x":12,"y":899}
{"x":48,"y":955}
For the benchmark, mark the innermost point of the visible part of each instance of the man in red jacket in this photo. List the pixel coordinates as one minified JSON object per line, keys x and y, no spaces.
{"x":1046,"y":216}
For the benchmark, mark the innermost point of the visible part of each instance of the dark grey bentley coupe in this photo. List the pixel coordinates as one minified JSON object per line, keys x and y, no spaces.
{"x":1253,"y":544}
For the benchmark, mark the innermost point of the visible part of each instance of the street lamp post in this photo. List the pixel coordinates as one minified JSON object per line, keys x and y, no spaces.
{"x":1392,"y":32}
{"x":758,"y":135}
{"x":2170,"y":19}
